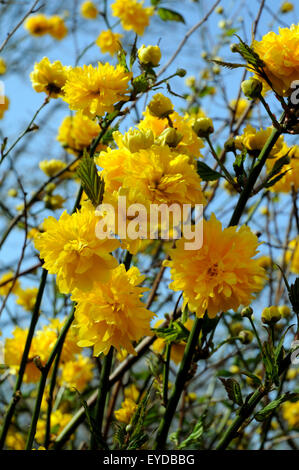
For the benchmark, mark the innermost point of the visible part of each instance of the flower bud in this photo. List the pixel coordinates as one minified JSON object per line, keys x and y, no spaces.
{"x":252,"y":88}
{"x":160,"y":106}
{"x":136,"y":139}
{"x":236,"y":328}
{"x":234,"y":369}
{"x":149,"y":55}
{"x":170,"y":137}
{"x":234,"y":47}
{"x":247,"y":312}
{"x":203,"y":127}
{"x":181,"y":72}
{"x":230,"y":145}
{"x":271,"y":315}
{"x":246,"y":336}
{"x":50,"y":188}
{"x":219,"y":10}
{"x":284,"y":311}
{"x":12,"y":192}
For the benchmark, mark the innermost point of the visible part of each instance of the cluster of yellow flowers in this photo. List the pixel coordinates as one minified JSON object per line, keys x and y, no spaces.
{"x":39,"y":25}
{"x":109,"y":310}
{"x":42,"y":344}
{"x":279,"y":53}
{"x":290,"y":413}
{"x":132,"y":14}
{"x":254,"y":140}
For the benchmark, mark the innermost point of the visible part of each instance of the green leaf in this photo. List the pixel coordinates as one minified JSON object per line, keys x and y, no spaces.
{"x":170,"y":15}
{"x":206,"y":173}
{"x":233,"y":390}
{"x":294,"y":295}
{"x":91,"y":423}
{"x":273,"y":181}
{"x":194,"y":437}
{"x":256,"y":380}
{"x":267,"y":411}
{"x":229,"y":65}
{"x":121,"y":55}
{"x":249,"y":54}
{"x":133,"y":54}
{"x":138,"y":437}
{"x":91,"y":181}
{"x":174,"y":333}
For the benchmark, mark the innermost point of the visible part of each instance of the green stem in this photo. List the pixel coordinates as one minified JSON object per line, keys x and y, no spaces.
{"x":179,"y":385}
{"x":17,"y":389}
{"x":166,"y":373}
{"x":244,"y":413}
{"x":50,"y":399}
{"x":101,"y":399}
{"x":255,"y":172}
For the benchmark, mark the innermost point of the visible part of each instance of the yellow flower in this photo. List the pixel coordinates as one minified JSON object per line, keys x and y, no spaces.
{"x":51,"y":167}
{"x":88,"y":10}
{"x":112,"y":314}
{"x":239,"y":106}
{"x":6,"y":288}
{"x":15,"y":440}
{"x":26,"y":298}
{"x":109,"y":42}
{"x":46,"y":338}
{"x":94,"y":91}
{"x":77,"y":132}
{"x":254,"y":141}
{"x":121,"y":354}
{"x":37,"y":25}
{"x":134,"y":139}
{"x":70,"y":249}
{"x":2,"y":66}
{"x":292,"y":255}
{"x":149,"y":55}
{"x":280,"y":55}
{"x":48,"y":77}
{"x":58,"y":421}
{"x":77,"y":373}
{"x":221,"y":275}
{"x":190,"y":144}
{"x":13,"y":352}
{"x":3,"y":106}
{"x":150,"y":176}
{"x":291,"y":178}
{"x":177,"y":349}
{"x":57,"y":28}
{"x":132,"y":14}
{"x":286,"y":7}
{"x":290,"y":412}
{"x":126,"y":412}
{"x":132,"y":392}
{"x":292,"y":374}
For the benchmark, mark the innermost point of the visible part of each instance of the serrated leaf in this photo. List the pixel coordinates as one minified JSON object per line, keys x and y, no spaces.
{"x":249,"y":54}
{"x":175,"y":333}
{"x":229,"y":65}
{"x":91,"y":181}
{"x":170,"y":15}
{"x":194,"y":437}
{"x":267,"y":411}
{"x":233,"y":390}
{"x":133,"y":54}
{"x":206,"y":173}
{"x":121,"y":55}
{"x":91,"y":423}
